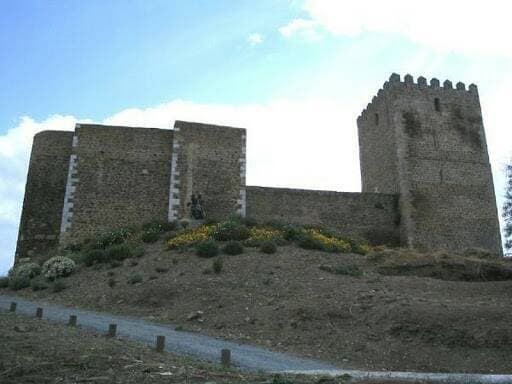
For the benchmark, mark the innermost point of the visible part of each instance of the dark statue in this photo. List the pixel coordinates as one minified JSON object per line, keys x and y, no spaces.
{"x":196,"y":207}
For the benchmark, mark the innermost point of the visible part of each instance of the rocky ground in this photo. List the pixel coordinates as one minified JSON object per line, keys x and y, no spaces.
{"x":304,"y":302}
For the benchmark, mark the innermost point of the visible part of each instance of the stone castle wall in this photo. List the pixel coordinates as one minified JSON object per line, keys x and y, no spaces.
{"x":211,"y":162}
{"x":426,"y":177}
{"x":372,"y":216}
{"x":44,"y":193}
{"x":122,"y":177}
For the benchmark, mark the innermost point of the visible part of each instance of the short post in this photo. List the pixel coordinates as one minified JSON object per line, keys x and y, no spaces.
{"x":112,"y":330}
{"x":39,"y":313}
{"x":225,"y":358}
{"x":12,"y":308}
{"x":72,"y":320}
{"x":160,"y":343}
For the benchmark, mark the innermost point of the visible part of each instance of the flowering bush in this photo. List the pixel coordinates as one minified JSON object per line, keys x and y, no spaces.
{"x":329,"y":242}
{"x":191,"y":237}
{"x":258,"y":235}
{"x":58,"y":266}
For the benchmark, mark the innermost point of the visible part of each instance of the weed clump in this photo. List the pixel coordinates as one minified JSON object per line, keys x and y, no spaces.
{"x":208,"y":248}
{"x":233,"y":247}
{"x":268,"y":246}
{"x":135,"y":278}
{"x":217,"y":266}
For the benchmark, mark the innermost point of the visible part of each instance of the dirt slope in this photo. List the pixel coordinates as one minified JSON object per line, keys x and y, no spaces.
{"x":292,"y":301}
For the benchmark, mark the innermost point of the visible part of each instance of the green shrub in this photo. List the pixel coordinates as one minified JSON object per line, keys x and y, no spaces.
{"x":208,"y":248}
{"x":114,"y":237}
{"x":135,"y":278}
{"x":150,"y":236}
{"x":58,"y":266}
{"x":94,"y":256}
{"x":230,"y":230}
{"x":292,"y":232}
{"x":18,"y":282}
{"x":160,"y":227}
{"x":28,"y":270}
{"x":308,"y":242}
{"x":58,"y":286}
{"x":350,"y":269}
{"x":268,"y":246}
{"x":233,"y":247}
{"x":217,"y":265}
{"x":4,"y":282}
{"x":162,"y":269}
{"x":119,"y":252}
{"x":39,"y":284}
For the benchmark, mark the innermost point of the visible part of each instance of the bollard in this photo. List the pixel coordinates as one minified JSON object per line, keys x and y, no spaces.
{"x":160,"y":343}
{"x":72,"y":320}
{"x":12,"y":308}
{"x":225,"y":358}
{"x":112,"y":330}
{"x":39,"y":313}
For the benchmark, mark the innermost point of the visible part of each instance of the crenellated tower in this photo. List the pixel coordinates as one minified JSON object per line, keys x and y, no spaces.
{"x":426,"y":143}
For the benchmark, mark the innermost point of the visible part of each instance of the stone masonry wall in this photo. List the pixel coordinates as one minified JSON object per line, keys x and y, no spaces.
{"x":123,"y":177}
{"x":378,"y":156}
{"x":373,"y":216}
{"x":446,"y":188}
{"x":44,"y":193}
{"x":211,"y":162}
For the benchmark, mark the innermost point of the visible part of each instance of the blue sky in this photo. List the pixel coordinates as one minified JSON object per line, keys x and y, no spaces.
{"x":299,"y":71}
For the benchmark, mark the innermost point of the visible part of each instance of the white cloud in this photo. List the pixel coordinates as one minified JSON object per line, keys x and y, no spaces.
{"x":307,"y":29}
{"x":255,"y":38}
{"x":472,"y":26}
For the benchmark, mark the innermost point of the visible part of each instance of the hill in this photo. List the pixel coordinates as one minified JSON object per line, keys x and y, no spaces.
{"x":386,"y":310}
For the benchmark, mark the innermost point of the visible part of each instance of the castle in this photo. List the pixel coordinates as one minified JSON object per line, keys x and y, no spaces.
{"x":426,"y":177}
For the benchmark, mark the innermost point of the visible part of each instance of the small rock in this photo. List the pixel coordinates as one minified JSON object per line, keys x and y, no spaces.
{"x":195,"y":315}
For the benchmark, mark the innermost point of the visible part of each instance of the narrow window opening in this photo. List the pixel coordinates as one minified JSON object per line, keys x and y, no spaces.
{"x":437,"y":104}
{"x":376,"y":119}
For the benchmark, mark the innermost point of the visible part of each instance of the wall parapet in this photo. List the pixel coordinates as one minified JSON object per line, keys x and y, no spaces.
{"x":395,"y":82}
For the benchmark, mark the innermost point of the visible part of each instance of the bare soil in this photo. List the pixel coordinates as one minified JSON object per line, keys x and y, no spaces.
{"x":295,"y":301}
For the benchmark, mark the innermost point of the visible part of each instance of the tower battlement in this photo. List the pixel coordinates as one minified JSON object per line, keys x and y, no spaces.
{"x":396,"y":84}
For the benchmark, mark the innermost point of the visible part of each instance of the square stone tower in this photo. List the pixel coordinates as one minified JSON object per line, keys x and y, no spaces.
{"x":426,"y":142}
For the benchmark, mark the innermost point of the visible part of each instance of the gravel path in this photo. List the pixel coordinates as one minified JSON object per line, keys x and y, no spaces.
{"x":243,"y":356}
